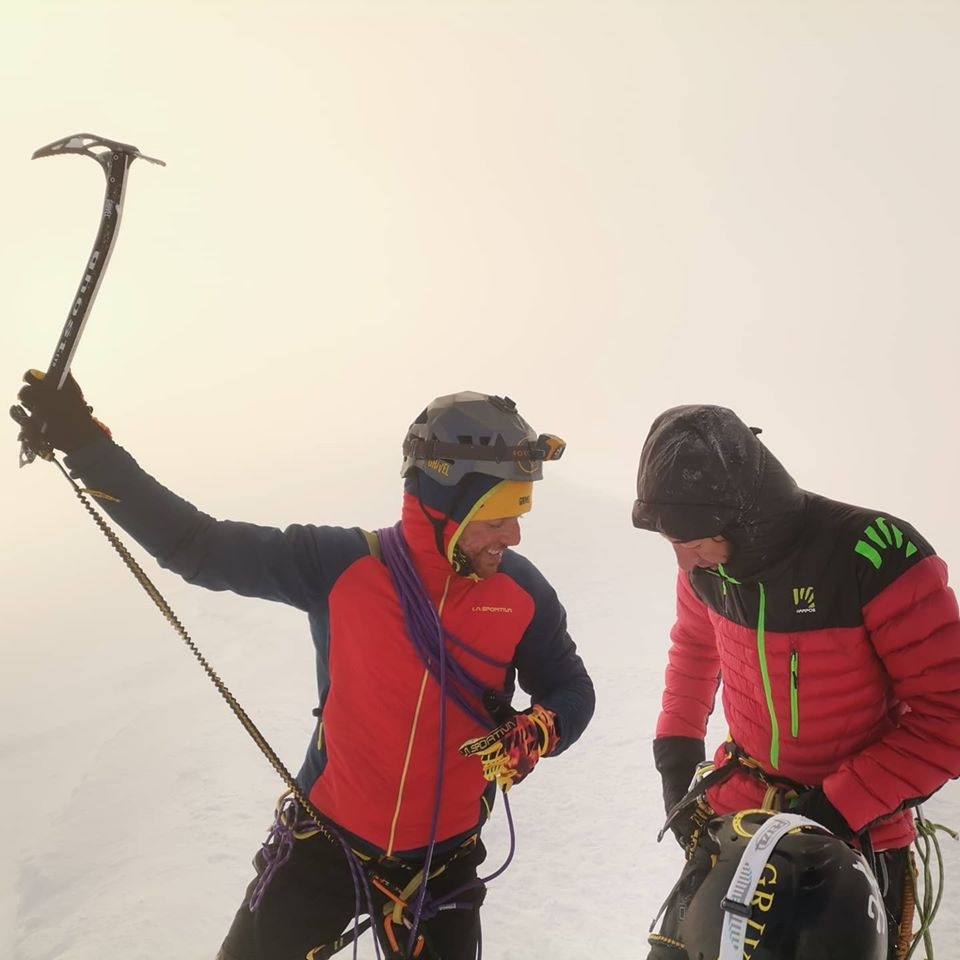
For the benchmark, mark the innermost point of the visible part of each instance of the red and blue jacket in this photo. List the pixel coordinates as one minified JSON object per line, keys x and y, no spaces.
{"x":373,"y":762}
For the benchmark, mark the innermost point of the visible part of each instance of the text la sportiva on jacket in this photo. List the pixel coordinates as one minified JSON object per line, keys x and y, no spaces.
{"x":372,"y":764}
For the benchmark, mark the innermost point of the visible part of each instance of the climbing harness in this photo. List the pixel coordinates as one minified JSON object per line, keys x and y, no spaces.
{"x":708,"y":775}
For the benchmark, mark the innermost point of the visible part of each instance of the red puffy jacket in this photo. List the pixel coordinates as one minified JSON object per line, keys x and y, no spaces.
{"x":840,"y":666}
{"x":832,"y":629}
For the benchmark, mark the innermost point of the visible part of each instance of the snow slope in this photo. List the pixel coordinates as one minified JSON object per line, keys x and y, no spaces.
{"x":134,"y":801}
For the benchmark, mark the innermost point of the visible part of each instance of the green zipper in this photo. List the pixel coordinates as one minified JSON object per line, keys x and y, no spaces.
{"x":794,"y":692}
{"x":765,"y":673}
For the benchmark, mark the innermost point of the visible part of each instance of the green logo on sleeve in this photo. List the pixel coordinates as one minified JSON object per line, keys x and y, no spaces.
{"x":879,"y":536}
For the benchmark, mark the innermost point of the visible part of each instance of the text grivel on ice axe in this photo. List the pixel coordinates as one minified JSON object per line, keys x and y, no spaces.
{"x":115,"y":159}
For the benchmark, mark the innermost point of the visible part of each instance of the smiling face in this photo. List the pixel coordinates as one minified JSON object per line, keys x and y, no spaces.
{"x":483,"y":541}
{"x":705,"y":552}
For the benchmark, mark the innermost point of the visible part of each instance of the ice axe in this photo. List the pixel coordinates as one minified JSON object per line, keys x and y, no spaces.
{"x":114,"y":159}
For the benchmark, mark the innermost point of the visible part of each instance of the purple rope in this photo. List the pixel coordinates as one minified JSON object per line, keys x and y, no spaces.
{"x":275,"y":851}
{"x":360,"y":882}
{"x":287,"y":819}
{"x":449,"y":902}
{"x":441,"y":902}
{"x":427,"y":633}
{"x":429,"y":636}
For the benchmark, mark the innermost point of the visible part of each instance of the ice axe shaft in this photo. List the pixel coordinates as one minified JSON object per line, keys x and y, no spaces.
{"x":114,"y":159}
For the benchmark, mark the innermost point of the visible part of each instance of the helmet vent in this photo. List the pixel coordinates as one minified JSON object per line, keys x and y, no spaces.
{"x":811,"y":878}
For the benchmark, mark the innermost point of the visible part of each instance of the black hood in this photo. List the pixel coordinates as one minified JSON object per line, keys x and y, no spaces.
{"x":703,"y":472}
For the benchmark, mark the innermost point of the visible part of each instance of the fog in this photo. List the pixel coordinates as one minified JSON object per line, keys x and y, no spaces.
{"x":599,"y":209}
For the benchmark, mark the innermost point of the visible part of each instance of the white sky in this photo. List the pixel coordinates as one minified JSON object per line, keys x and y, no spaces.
{"x":599,"y":208}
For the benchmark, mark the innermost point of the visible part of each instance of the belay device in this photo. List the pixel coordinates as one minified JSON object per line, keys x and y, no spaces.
{"x":115,"y":159}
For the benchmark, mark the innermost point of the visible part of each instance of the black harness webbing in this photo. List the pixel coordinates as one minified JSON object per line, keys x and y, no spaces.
{"x":738,"y":761}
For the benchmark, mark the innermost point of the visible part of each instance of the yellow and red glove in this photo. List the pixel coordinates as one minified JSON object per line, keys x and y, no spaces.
{"x":510,"y":751}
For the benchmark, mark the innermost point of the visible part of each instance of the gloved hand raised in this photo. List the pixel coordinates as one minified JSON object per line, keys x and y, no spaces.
{"x":511,"y":750}
{"x":66,"y":415}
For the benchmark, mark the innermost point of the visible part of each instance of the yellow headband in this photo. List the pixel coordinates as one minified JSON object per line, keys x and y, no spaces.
{"x":508,"y":498}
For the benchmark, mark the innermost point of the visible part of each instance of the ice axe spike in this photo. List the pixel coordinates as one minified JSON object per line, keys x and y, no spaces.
{"x":115,"y":159}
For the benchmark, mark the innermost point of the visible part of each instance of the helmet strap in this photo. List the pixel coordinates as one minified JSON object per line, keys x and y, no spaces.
{"x":461,"y":562}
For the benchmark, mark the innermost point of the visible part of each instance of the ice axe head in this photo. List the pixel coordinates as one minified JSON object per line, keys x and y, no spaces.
{"x":114,"y":159}
{"x":90,"y":145}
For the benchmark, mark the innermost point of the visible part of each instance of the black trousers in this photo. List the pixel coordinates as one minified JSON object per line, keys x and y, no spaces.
{"x":311,"y":900}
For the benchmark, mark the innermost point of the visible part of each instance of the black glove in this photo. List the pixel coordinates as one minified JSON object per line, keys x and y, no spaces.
{"x":67,"y":416}
{"x":688,"y":823}
{"x":676,"y":759}
{"x":815,"y":805}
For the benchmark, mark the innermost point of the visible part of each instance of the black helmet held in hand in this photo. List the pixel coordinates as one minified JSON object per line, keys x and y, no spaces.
{"x":816,"y":899}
